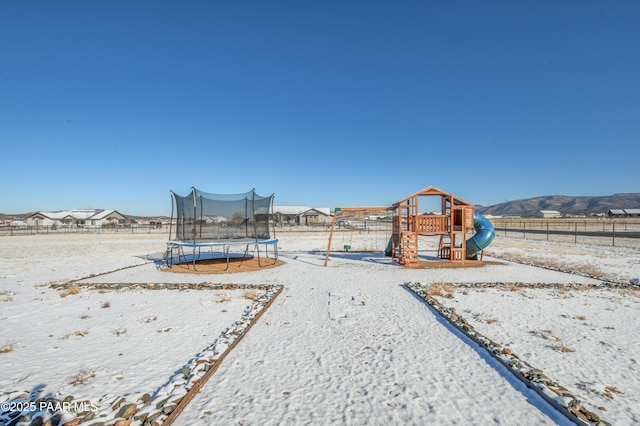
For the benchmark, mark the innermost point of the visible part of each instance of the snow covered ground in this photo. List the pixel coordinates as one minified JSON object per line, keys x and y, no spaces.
{"x":346,"y":344}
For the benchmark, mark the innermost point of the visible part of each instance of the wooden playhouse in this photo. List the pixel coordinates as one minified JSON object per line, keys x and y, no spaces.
{"x":454,"y":221}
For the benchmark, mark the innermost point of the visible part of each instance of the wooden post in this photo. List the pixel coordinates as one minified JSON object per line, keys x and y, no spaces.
{"x":333,"y":224}
{"x":464,"y":236}
{"x":613,"y":233}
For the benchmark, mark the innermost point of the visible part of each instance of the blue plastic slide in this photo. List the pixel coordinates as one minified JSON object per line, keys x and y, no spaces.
{"x":485,"y":233}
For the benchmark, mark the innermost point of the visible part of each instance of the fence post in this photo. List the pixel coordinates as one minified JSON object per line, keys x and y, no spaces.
{"x":575,"y":233}
{"x":547,"y":231}
{"x":613,"y":234}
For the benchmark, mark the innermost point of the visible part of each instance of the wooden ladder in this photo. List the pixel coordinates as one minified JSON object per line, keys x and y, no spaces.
{"x":409,"y":249}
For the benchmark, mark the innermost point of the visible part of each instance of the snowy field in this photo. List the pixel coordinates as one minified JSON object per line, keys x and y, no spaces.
{"x":342,"y":344}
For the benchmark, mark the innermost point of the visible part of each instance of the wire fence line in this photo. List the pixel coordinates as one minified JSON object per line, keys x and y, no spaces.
{"x":604,"y":232}
{"x":37,"y":230}
{"x":165,"y":228}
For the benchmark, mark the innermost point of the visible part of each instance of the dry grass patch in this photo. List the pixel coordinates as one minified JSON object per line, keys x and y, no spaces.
{"x":149,"y":319}
{"x":221,"y":298}
{"x":588,"y":270}
{"x":439,"y":289}
{"x":7,"y":347}
{"x":69,"y":291}
{"x":592,"y":271}
{"x":562,"y":347}
{"x":6,"y":296}
{"x":78,"y":333}
{"x":559,"y":346}
{"x":106,"y":304}
{"x":545,"y":334}
{"x":491,"y":320}
{"x":119,"y":331}
{"x":610,"y":390}
{"x":83,"y":377}
{"x":252,"y":295}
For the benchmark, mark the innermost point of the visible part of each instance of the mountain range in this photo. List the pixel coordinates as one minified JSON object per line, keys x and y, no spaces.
{"x":565,"y":204}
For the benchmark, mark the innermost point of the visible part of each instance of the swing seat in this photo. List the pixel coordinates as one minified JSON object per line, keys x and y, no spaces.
{"x":347,"y":247}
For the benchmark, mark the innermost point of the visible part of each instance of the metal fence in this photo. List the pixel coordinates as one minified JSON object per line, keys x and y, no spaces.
{"x":36,"y":230}
{"x":606,"y":232}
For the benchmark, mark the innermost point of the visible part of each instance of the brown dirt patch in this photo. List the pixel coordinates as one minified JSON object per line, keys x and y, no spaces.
{"x":436,"y":264}
{"x":219,"y":266}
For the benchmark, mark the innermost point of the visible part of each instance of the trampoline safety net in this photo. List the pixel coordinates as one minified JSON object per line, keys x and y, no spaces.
{"x":206,"y":217}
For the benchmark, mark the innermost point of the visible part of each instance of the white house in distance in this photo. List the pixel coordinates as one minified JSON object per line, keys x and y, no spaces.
{"x":615,"y":213}
{"x":301,"y":215}
{"x":83,"y":218}
{"x":548,"y":214}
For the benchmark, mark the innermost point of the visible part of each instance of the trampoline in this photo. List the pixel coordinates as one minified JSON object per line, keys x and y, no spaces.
{"x":209,"y":225}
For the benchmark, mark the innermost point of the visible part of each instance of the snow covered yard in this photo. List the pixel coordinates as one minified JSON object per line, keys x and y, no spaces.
{"x":344,"y":344}
{"x":98,"y":346}
{"x":113,"y":337}
{"x":583,"y":337}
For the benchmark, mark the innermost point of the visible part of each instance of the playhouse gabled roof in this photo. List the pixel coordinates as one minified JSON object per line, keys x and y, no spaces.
{"x":432,"y":190}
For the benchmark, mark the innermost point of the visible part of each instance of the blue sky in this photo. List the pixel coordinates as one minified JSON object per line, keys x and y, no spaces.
{"x":111,"y":104}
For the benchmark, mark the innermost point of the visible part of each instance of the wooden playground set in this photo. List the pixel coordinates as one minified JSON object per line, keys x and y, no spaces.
{"x":455,"y":221}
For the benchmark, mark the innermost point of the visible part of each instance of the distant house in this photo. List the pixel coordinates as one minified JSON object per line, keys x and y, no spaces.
{"x":617,"y":213}
{"x":316,"y":216}
{"x":94,"y":218}
{"x":548,"y":214}
{"x":301,"y":215}
{"x":107,"y":218}
{"x":632,"y":212}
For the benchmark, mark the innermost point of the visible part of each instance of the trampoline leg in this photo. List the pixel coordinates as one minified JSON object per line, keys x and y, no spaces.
{"x":181,"y":254}
{"x":168,"y":255}
{"x":244,"y":255}
{"x":266,"y":251}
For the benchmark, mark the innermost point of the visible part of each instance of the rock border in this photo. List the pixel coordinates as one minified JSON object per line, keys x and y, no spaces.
{"x":162,"y":406}
{"x":550,"y":390}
